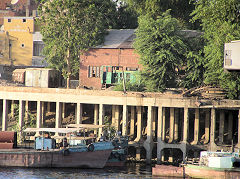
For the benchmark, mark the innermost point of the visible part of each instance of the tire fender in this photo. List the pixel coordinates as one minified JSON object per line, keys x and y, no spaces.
{"x":90,"y":147}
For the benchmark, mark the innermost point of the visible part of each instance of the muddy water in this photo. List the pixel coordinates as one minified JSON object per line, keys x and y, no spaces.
{"x":129,"y":171}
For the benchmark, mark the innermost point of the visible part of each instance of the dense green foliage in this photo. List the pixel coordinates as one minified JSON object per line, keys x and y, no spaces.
{"x":192,"y":73}
{"x":70,"y":28}
{"x":220,"y":23}
{"x":125,"y":17}
{"x":164,"y":52}
{"x":180,"y":9}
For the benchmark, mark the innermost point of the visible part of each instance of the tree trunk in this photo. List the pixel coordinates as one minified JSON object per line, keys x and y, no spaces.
{"x":68,"y":62}
{"x":79,"y":72}
{"x":68,"y":69}
{"x":68,"y":82}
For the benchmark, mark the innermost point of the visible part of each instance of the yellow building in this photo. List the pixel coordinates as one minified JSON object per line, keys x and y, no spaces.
{"x":17,"y":40}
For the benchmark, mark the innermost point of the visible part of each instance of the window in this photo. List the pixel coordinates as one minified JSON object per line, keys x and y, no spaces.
{"x":24,"y":20}
{"x":93,"y":71}
{"x":38,"y":48}
{"x":131,"y":69}
{"x":9,"y":20}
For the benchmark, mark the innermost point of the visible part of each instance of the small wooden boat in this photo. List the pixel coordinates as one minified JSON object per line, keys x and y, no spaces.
{"x":118,"y":156}
{"x":168,"y":171}
{"x":94,"y":155}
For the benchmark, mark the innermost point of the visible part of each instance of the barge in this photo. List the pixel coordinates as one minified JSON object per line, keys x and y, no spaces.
{"x":46,"y":154}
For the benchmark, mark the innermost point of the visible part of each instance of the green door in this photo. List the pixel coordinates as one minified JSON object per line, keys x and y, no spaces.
{"x":108,"y":77}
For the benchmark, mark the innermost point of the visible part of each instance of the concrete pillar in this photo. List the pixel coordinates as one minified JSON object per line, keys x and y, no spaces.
{"x":207,"y":126}
{"x":117,"y":118}
{"x":132,"y":121}
{"x":12,"y":108}
{"x":125,"y":121}
{"x":139,"y":123}
{"x":21,"y":114}
{"x":149,"y":124}
{"x":148,"y":144}
{"x":163,"y":123}
{"x":43,"y":113}
{"x":5,"y":115}
{"x":154,"y":122}
{"x":160,"y":123}
{"x":196,"y":127}
{"x":78,"y":113}
{"x":58,"y":115}
{"x":39,"y":115}
{"x":96,"y":114}
{"x":138,"y":153}
{"x":238,"y":144}
{"x":171,"y":126}
{"x":176,"y":123}
{"x":159,"y":135}
{"x":21,"y":117}
{"x":213,"y":128}
{"x":48,"y":107}
{"x":113,"y":116}
{"x":63,"y":110}
{"x":101,"y":118}
{"x":221,"y":127}
{"x":230,"y":127}
{"x":26,"y":109}
{"x":186,"y":125}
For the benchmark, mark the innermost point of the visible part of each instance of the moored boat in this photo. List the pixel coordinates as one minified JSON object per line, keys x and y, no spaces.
{"x":45,"y":153}
{"x":53,"y":158}
{"x":118,"y":156}
{"x":168,"y":171}
{"x":215,"y":165}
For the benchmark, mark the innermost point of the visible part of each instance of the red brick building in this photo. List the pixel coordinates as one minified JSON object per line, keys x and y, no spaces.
{"x":117,"y":52}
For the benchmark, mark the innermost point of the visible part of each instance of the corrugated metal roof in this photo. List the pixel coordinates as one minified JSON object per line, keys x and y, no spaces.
{"x":123,"y":38}
{"x":118,"y":38}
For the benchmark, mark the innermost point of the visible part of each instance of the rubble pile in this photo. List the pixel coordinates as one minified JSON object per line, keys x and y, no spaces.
{"x":9,"y":83}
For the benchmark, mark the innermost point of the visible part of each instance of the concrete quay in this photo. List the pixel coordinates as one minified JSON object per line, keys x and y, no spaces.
{"x":168,"y":127}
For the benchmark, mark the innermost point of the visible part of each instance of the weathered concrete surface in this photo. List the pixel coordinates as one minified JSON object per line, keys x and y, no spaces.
{"x":166,"y":105}
{"x":113,"y":97}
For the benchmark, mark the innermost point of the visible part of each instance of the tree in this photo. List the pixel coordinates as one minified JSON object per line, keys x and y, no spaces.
{"x":180,"y":9}
{"x":162,"y":51}
{"x":192,"y":73}
{"x":125,"y":17}
{"x":220,"y":22}
{"x":70,"y":28}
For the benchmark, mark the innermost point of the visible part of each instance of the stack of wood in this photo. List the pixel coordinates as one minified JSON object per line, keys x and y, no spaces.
{"x":207,"y":92}
{"x":8,"y":140}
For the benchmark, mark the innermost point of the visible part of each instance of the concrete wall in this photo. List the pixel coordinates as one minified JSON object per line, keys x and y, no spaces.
{"x":19,"y":35}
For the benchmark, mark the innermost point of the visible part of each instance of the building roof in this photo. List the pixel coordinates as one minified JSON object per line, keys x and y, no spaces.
{"x":118,"y":38}
{"x":123,"y":38}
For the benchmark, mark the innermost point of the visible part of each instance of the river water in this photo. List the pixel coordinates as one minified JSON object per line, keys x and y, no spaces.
{"x":129,"y":171}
